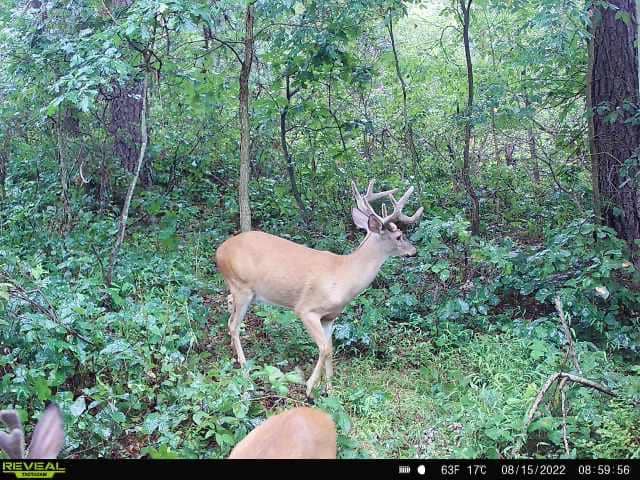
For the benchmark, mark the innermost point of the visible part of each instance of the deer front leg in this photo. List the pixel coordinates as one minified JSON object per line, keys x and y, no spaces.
{"x":314,"y":327}
{"x":327,"y":327}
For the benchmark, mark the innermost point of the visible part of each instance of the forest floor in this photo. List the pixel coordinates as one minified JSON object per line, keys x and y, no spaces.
{"x":407,"y":383}
{"x":407,"y":397}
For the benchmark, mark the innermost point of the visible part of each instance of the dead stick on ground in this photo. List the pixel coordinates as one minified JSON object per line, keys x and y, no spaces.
{"x":19,"y":292}
{"x":564,"y":416}
{"x":571,"y":349}
{"x":562,"y":377}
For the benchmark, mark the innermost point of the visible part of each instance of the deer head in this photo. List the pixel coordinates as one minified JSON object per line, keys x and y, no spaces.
{"x":47,"y":439}
{"x":384,"y":229}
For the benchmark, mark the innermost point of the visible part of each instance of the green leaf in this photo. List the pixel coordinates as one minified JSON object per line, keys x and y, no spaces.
{"x":43,"y":392}
{"x":546,"y":424}
{"x":624,"y":16}
{"x":78,"y":407}
{"x":444,"y":275}
{"x":240,"y":409}
{"x":52,"y":108}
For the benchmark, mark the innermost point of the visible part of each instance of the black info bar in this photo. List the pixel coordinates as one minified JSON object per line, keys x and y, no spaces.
{"x":375,"y":469}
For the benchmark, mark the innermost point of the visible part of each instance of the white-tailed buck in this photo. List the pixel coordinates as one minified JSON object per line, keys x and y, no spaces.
{"x":298,"y":433}
{"x":47,"y":439}
{"x":315,"y":284}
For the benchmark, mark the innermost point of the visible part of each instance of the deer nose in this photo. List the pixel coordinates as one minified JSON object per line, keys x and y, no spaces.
{"x":412,"y":253}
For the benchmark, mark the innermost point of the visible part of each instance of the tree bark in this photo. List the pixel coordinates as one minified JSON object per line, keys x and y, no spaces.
{"x":245,"y":132}
{"x":615,"y":96}
{"x":287,"y":155}
{"x":125,"y":106}
{"x":124,"y":214}
{"x":465,"y":6}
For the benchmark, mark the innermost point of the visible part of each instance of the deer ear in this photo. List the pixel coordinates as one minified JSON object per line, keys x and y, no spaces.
{"x":374,"y":224}
{"x":359,"y":218}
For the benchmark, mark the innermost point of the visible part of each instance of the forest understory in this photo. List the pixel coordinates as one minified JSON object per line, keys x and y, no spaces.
{"x":136,"y":136}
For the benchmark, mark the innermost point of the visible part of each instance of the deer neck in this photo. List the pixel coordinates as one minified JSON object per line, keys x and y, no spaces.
{"x":362,"y":265}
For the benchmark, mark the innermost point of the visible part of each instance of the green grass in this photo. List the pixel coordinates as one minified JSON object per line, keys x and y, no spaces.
{"x":428,"y":403}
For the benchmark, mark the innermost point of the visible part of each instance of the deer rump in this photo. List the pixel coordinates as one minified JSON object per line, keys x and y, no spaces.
{"x":300,"y":433}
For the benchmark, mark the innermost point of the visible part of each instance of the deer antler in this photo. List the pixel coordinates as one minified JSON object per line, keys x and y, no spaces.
{"x":47,"y":439}
{"x":397,"y":215}
{"x":364,"y":205}
{"x":13,"y":442}
{"x":363,"y":201}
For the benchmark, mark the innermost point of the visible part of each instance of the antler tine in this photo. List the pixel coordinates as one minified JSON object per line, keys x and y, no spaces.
{"x":364,"y":205}
{"x":11,"y":419}
{"x":413,"y":218}
{"x":371,"y":196}
{"x":13,"y":442}
{"x":398,"y":205}
{"x":363,"y":201}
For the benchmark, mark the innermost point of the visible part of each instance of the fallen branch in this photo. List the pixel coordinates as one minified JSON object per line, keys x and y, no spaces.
{"x":563,"y":378}
{"x":19,"y":292}
{"x":571,"y":349}
{"x":563,"y":396}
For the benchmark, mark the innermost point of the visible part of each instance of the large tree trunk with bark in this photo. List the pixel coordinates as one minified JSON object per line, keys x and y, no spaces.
{"x":125,"y":108}
{"x":245,"y":132}
{"x":615,"y":98}
{"x":124,"y":214}
{"x":465,"y":7}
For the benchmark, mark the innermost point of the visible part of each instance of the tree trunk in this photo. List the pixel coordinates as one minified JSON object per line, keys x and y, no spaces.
{"x":287,"y":156}
{"x":494,"y":135}
{"x":245,"y":132}
{"x":465,"y":6}
{"x":104,"y":189}
{"x":533,"y":153}
{"x":408,"y":131}
{"x":4,"y":156}
{"x":124,"y":214}
{"x":615,"y":96}
{"x":125,"y":106}
{"x":64,"y":176}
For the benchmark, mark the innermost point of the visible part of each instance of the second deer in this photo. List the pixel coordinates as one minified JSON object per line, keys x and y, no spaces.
{"x":299,"y":433}
{"x":316,"y":285}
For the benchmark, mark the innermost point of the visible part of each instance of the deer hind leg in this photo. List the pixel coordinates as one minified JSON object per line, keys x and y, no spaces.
{"x":327,"y":327}
{"x":239,"y":303}
{"x":314,"y":327}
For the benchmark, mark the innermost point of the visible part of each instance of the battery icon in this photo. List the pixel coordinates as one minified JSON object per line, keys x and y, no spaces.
{"x":404,"y":469}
